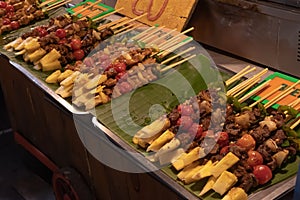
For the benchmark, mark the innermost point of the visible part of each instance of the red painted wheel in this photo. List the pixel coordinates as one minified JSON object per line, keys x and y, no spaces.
{"x":69,"y":185}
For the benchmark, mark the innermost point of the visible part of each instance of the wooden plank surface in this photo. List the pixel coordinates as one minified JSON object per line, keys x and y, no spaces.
{"x":174,"y":13}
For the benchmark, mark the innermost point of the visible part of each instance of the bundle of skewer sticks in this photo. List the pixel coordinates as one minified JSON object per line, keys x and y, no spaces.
{"x":52,"y":4}
{"x":243,"y":88}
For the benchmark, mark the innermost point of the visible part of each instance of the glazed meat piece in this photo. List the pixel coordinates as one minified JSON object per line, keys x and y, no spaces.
{"x":260,"y":134}
{"x":279,"y":137}
{"x":110,"y":82}
{"x":248,"y":181}
{"x":265,"y":151}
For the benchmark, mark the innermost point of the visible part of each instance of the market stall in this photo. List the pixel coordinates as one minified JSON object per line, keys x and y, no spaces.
{"x":78,"y":139}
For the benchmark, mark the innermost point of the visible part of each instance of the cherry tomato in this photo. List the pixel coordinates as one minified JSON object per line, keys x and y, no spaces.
{"x":120,"y":67}
{"x":61,"y":33}
{"x":78,"y":54}
{"x":125,"y":87}
{"x":42,"y":32}
{"x":6,"y":21}
{"x":254,"y":158}
{"x":223,"y":139}
{"x":224,"y":150}
{"x":120,"y":75}
{"x":75,"y":44}
{"x":196,"y":130}
{"x":3,"y":4}
{"x":15,"y":25}
{"x":185,"y":109}
{"x":10,"y":8}
{"x":185,"y":122}
{"x":247,"y":142}
{"x":262,"y":173}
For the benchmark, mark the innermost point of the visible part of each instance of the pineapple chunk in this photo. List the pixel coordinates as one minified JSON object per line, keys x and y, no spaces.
{"x":225,"y":181}
{"x":52,"y":56}
{"x":50,"y":66}
{"x":160,"y":141}
{"x":32,"y":45}
{"x":203,"y":172}
{"x":208,"y":186}
{"x":70,"y":80}
{"x":52,"y":78}
{"x":64,"y":75}
{"x":192,"y":156}
{"x":185,"y":171}
{"x":236,"y":193}
{"x":36,"y":55}
{"x":225,"y":163}
{"x":153,"y":129}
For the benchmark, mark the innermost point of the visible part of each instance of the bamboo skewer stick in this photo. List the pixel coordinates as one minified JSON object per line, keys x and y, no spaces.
{"x":294,"y":103}
{"x":83,"y":9}
{"x":265,"y":97}
{"x":124,"y":28}
{"x":281,"y":95}
{"x":111,"y":23}
{"x":147,"y":34}
{"x":259,"y":88}
{"x":244,"y":83}
{"x":130,"y":29}
{"x":177,"y":55}
{"x":239,"y":75}
{"x":295,"y":124}
{"x":127,"y":22}
{"x":46,"y":2}
{"x":153,"y":34}
{"x":143,"y":33}
{"x":172,"y":49}
{"x":93,"y":13}
{"x":106,"y":15}
{"x":249,"y":84}
{"x":177,"y":63}
{"x":146,"y":37}
{"x":162,"y":36}
{"x":57,"y":5}
{"x":175,"y":37}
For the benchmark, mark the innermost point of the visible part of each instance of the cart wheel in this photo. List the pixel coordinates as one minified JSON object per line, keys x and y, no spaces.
{"x":69,"y":185}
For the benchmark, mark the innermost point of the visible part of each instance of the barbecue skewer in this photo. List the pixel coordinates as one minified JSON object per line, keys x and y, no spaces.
{"x":46,"y":2}
{"x":249,"y":85}
{"x":83,"y":9}
{"x":173,"y":48}
{"x":295,"y":124}
{"x":281,"y":95}
{"x":111,"y":23}
{"x":244,"y":83}
{"x":265,"y":97}
{"x":256,"y":90}
{"x":162,"y":36}
{"x":240,"y":75}
{"x":106,"y":15}
{"x":127,"y":22}
{"x":129,"y":27}
{"x":142,"y":34}
{"x":152,"y":34}
{"x":177,"y":55}
{"x":177,"y":63}
{"x":161,"y":46}
{"x":56,"y":5}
